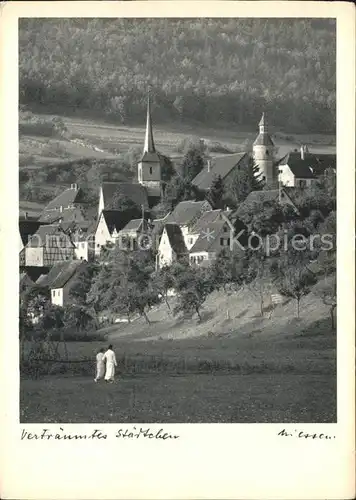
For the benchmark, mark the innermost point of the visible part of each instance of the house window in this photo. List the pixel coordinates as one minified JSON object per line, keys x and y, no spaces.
{"x":267,"y":152}
{"x":228,"y":242}
{"x":83,"y":245}
{"x":225,"y":229}
{"x":221,"y":241}
{"x":302,"y":183}
{"x":190,"y":241}
{"x":151,"y":170}
{"x":53,"y":293}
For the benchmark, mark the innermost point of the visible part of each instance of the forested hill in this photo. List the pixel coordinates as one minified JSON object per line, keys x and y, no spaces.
{"x":207,"y":70}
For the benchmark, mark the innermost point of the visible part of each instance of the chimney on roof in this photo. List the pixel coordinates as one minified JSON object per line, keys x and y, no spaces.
{"x":227,"y":209}
{"x":209,"y":165}
{"x":26,"y":215}
{"x":61,"y":209}
{"x":74,"y":186}
{"x":302,"y":152}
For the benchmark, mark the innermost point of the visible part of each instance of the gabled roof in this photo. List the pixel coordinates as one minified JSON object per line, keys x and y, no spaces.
{"x":65,"y":199}
{"x":175,"y":238}
{"x":209,"y":241}
{"x":311,"y":166}
{"x":135,"y":225}
{"x":39,"y":239}
{"x":301,"y":168}
{"x":135,"y":192}
{"x":60,"y":273}
{"x":67,"y":214}
{"x":27,"y":228}
{"x":206,"y":219}
{"x":185,"y":212}
{"x":25,"y":281}
{"x":219,"y":166}
{"x":268,"y":195}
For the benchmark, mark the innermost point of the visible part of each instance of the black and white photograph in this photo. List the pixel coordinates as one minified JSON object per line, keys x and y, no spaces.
{"x":177,"y":220}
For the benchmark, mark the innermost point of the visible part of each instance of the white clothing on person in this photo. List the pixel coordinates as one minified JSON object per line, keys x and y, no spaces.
{"x":110,"y":358}
{"x":100,"y":366}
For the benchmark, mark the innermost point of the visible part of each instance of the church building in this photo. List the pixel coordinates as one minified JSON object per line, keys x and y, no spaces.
{"x":147,"y":191}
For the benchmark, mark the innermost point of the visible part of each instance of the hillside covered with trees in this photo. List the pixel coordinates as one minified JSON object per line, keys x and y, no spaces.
{"x":207,"y":70}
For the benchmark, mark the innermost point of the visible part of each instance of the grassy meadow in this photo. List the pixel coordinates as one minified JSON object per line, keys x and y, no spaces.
{"x":245,"y":368}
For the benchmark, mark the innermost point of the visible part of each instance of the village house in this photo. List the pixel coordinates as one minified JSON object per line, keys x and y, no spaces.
{"x":185,"y":215}
{"x":302,"y":169}
{"x":136,"y":233}
{"x":171,"y":246}
{"x":64,"y":207}
{"x":27,"y":228}
{"x":60,"y":279}
{"x":109,"y":225}
{"x":280,"y":196}
{"x":82,"y":236}
{"x":203,"y":221}
{"x":215,"y":237}
{"x":49,"y":245}
{"x":216,"y":231}
{"x":224,"y":167}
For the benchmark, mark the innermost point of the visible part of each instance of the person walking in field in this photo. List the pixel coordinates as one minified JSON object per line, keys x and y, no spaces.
{"x":111,"y":363}
{"x":100,"y":365}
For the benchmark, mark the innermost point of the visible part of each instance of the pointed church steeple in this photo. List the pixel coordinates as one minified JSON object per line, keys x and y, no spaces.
{"x":263,"y":124}
{"x":149,"y":146}
{"x":149,"y":167}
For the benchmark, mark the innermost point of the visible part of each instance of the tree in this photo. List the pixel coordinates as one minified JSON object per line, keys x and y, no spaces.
{"x":326,"y":290}
{"x":216,"y":192}
{"x":192,"y":164}
{"x":163,"y":282}
{"x":53,"y":318}
{"x":167,"y":168}
{"x":82,"y":283}
{"x":123,"y":203}
{"x":292,"y":276}
{"x":77,"y":316}
{"x":244,"y":182}
{"x":259,"y":276}
{"x":193,"y":286}
{"x":229,"y":268}
{"x":124,"y":284}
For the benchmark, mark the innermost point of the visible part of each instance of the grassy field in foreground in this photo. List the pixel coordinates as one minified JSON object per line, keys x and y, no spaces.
{"x":181,"y":399}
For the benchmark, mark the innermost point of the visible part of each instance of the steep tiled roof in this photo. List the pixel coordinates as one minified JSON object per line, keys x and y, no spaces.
{"x":68,"y":197}
{"x":210,"y":243}
{"x":117,"y":220}
{"x":136,"y":192}
{"x":27,"y":228}
{"x":133,"y":225}
{"x":221,"y":165}
{"x":60,"y":273}
{"x":301,"y":168}
{"x":185,"y":212}
{"x":312,"y":165}
{"x":268,"y":195}
{"x":176,"y":239}
{"x":67,"y":214}
{"x":206,"y":219}
{"x":43,"y":232}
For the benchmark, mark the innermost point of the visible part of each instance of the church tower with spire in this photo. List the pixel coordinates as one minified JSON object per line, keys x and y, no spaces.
{"x":263,"y":154}
{"x":149,"y":167}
